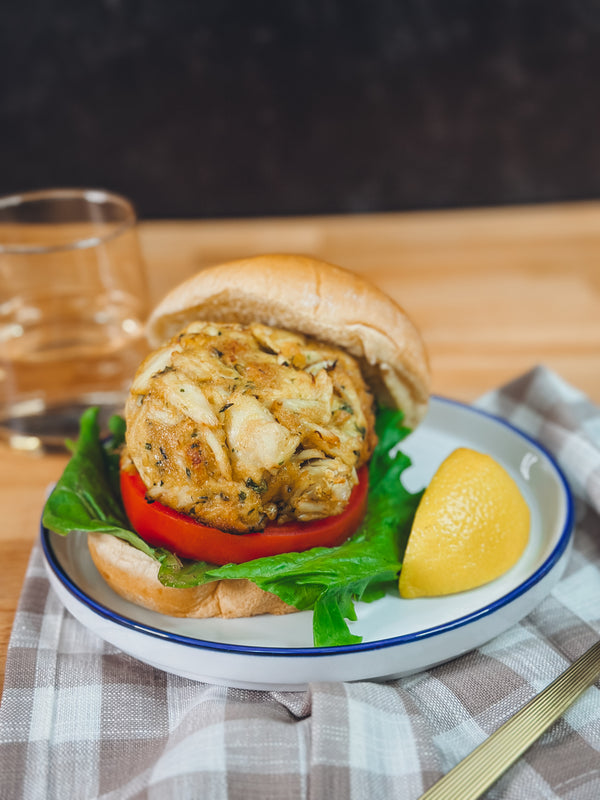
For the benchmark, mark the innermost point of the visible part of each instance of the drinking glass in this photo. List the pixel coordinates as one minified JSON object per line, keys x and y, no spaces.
{"x":73,"y":302}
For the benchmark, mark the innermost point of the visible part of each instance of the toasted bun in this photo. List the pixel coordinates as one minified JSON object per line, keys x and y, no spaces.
{"x":133,"y":575}
{"x":308,"y":296}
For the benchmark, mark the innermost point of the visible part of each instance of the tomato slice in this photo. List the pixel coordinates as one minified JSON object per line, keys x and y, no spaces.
{"x":161,"y":526}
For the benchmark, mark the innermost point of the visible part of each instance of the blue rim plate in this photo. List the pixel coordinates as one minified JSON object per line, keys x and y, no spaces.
{"x":399,"y":636}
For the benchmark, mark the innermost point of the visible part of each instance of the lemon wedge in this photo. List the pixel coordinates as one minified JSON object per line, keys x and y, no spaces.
{"x":471,"y":526}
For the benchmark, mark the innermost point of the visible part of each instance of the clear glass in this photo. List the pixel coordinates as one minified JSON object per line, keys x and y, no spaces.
{"x":73,"y":301}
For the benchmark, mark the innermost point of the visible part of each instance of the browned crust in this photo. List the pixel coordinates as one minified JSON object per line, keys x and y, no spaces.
{"x":133,"y":575}
{"x":304,"y":294}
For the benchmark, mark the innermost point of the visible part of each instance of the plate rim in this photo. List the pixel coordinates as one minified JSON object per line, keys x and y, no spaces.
{"x":315,"y":652}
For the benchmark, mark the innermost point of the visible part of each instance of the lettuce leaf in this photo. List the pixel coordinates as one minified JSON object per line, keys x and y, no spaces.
{"x":87,"y":497}
{"x":327,"y":580}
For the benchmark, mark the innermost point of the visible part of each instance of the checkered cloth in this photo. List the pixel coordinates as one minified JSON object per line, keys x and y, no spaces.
{"x":80,"y":719}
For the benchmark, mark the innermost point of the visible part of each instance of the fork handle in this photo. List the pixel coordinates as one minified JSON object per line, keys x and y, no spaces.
{"x":470,"y":778}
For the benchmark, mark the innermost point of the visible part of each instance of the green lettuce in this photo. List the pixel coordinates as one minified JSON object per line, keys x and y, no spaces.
{"x":87,"y":497}
{"x":326,"y":580}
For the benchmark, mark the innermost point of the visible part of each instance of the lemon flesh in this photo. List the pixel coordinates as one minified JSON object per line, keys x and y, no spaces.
{"x":471,"y":526}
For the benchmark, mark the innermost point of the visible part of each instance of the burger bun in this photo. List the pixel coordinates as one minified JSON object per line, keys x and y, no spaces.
{"x":134,"y":576}
{"x":309,"y":296}
{"x":303,"y":295}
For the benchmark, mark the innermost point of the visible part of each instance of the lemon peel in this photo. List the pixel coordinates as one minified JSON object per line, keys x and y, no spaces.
{"x":471,"y":526}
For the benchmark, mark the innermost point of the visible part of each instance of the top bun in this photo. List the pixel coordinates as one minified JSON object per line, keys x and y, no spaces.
{"x":309,"y":296}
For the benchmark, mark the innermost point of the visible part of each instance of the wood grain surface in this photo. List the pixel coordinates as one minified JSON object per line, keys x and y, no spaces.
{"x":494,"y":292}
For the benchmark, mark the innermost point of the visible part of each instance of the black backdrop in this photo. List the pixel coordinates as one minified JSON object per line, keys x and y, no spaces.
{"x":236,"y":107}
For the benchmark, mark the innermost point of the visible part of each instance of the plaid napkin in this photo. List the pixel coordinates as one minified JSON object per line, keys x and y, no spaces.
{"x":80,"y":719}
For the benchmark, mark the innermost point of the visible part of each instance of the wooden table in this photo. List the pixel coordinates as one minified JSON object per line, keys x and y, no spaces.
{"x":494,"y":292}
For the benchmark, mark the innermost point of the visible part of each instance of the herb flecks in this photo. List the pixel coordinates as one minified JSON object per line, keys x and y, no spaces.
{"x":259,"y":488}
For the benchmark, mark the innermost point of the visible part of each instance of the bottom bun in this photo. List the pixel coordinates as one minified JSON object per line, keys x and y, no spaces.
{"x":134,"y":576}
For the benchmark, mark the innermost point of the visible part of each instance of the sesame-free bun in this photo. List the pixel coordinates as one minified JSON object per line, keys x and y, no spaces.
{"x":309,"y":296}
{"x":295,"y":293}
{"x":134,"y":576}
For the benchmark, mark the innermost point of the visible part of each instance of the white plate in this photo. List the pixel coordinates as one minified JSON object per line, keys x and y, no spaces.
{"x":399,"y":636}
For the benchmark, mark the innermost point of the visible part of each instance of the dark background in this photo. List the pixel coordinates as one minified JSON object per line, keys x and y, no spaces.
{"x":241,"y":108}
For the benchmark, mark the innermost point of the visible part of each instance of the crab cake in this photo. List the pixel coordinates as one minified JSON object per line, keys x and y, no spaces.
{"x":242,"y":425}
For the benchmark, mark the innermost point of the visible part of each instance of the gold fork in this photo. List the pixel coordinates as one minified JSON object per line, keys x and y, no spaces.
{"x":471,"y":777}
